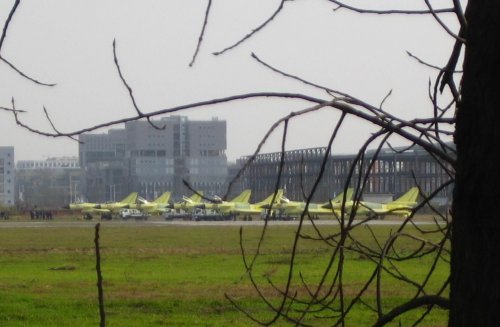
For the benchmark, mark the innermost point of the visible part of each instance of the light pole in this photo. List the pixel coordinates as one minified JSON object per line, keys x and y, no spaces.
{"x":112,"y":193}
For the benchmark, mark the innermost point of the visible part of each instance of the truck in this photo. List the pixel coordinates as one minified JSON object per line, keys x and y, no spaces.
{"x":126,"y":214}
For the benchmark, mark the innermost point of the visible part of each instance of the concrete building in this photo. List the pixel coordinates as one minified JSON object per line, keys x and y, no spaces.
{"x":104,"y":165}
{"x":153,"y":160}
{"x":49,"y":183}
{"x":7,"y":176}
{"x":103,"y":147}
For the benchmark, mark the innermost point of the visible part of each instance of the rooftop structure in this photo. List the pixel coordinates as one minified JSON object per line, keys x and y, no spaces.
{"x":50,"y":163}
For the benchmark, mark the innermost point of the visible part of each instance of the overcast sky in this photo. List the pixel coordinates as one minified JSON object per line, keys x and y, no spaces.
{"x":69,"y":42}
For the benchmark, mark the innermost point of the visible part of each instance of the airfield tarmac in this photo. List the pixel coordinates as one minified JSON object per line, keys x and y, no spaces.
{"x":159,"y":223}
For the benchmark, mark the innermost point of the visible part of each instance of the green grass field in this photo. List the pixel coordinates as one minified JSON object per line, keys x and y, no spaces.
{"x":176,"y":276}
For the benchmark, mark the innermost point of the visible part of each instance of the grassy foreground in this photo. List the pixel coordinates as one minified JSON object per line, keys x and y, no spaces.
{"x":172,"y":276}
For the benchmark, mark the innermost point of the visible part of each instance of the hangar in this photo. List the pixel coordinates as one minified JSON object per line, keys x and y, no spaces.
{"x":389,"y":173}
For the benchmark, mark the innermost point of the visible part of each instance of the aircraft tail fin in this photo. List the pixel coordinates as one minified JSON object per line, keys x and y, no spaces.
{"x":340,"y":197}
{"x":163,"y":199}
{"x":336,"y":202}
{"x":409,"y":198}
{"x":196,"y":197}
{"x":403,"y":205}
{"x":244,"y":197}
{"x":267,"y":201}
{"x":131,"y":198}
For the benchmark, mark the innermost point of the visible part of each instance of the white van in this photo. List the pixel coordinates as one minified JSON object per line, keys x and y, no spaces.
{"x":132,"y":213}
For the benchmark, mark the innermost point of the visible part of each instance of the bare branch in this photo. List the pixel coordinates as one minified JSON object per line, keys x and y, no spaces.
{"x":447,"y":77}
{"x":411,"y":305}
{"x":11,"y":109}
{"x":100,"y":292}
{"x":130,"y":92}
{"x":54,"y":127}
{"x":129,"y":89}
{"x":2,"y":39}
{"x":443,"y":25}
{"x":380,"y":115}
{"x":460,"y":13}
{"x":254,"y":31}
{"x":180,"y":108}
{"x":202,"y":33}
{"x":18,"y":122}
{"x":17,"y":70}
{"x":7,"y":22}
{"x":427,"y":64}
{"x":276,"y":70}
{"x":385,"y":98}
{"x":390,"y":12}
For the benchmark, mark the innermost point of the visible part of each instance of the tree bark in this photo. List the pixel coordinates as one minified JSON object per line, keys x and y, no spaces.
{"x":475,"y":258}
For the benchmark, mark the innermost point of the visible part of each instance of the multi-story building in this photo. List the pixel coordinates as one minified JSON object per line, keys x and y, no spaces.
{"x":105,"y":166}
{"x":152,"y":160}
{"x":49,"y":183}
{"x":7,"y":176}
{"x":103,"y":147}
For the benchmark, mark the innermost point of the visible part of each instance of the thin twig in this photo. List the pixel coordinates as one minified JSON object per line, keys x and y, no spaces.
{"x":12,"y":110}
{"x":140,"y":114}
{"x":254,"y":31}
{"x":385,"y":98}
{"x":429,"y":65}
{"x":2,"y":39}
{"x":389,"y":12}
{"x":22,"y":74}
{"x":100,"y":292}
{"x":7,"y":22}
{"x":202,"y":33}
{"x":443,"y":25}
{"x":54,"y":127}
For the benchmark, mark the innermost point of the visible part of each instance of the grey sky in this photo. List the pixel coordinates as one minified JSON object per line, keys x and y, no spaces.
{"x":70,"y":43}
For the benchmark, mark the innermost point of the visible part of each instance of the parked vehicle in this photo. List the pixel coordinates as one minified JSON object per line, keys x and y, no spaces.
{"x":133,"y":213}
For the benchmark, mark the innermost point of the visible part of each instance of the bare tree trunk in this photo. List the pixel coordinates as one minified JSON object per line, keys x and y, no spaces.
{"x":475,"y":261}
